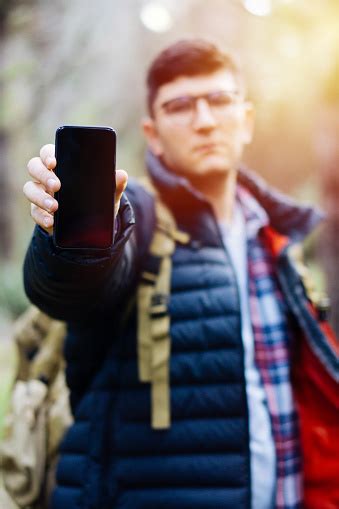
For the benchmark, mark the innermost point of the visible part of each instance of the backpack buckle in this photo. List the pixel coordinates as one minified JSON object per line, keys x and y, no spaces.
{"x":159,"y":305}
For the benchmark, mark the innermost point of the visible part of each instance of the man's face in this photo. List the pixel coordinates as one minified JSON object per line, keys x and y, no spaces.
{"x":200,"y":124}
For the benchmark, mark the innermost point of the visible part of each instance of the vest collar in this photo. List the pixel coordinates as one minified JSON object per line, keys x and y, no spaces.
{"x":194,"y":213}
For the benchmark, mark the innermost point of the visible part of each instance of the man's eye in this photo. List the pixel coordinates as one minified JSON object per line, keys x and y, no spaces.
{"x":220,"y":100}
{"x":179,"y":106}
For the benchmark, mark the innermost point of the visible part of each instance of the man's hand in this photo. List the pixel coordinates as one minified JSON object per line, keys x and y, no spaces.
{"x":40,"y":191}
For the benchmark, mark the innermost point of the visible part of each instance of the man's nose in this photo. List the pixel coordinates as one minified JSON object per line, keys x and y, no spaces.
{"x":203,"y":116}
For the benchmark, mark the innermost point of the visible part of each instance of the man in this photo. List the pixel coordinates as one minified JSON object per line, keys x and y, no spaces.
{"x":239,"y":317}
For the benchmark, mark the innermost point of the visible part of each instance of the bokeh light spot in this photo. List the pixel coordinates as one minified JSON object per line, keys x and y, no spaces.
{"x":156,"y":17}
{"x":258,"y":7}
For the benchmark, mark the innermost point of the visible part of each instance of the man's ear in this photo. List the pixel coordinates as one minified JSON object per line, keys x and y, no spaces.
{"x":249,"y":122}
{"x":151,"y":134}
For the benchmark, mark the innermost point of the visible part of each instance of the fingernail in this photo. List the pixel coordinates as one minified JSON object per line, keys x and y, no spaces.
{"x":48,"y":203}
{"x":49,"y":160}
{"x":51,"y":183}
{"x":47,"y":221}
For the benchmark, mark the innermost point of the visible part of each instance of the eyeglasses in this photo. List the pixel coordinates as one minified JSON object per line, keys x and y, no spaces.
{"x":181,"y":109}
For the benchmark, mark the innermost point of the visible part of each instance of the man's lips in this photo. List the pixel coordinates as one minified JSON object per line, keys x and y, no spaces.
{"x":206,"y":147}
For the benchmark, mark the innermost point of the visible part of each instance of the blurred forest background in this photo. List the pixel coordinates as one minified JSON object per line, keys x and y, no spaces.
{"x":84,"y":62}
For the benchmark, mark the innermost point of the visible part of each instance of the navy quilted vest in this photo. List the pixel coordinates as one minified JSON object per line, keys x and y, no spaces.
{"x":112,"y":458}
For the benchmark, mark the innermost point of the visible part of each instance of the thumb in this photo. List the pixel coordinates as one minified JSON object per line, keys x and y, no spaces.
{"x":121,"y":178}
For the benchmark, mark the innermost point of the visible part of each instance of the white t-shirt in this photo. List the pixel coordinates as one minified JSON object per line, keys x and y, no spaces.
{"x":262,"y":448}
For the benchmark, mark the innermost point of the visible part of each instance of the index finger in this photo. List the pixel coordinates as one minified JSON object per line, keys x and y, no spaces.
{"x":47,"y":156}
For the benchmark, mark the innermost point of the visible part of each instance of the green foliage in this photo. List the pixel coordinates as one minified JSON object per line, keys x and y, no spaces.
{"x":13,"y":300}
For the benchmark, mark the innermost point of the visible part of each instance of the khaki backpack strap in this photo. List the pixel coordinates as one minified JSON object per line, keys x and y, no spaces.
{"x":154,"y":340}
{"x":144,"y":296}
{"x":161,"y":346}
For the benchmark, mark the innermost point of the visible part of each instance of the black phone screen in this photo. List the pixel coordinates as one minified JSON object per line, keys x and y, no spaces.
{"x":86,"y":169}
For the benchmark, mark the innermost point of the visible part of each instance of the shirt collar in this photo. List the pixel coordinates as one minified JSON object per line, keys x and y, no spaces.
{"x":255,"y":215}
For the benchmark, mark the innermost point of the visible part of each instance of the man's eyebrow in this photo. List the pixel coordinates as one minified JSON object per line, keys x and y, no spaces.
{"x":183,"y":96}
{"x":196,"y":96}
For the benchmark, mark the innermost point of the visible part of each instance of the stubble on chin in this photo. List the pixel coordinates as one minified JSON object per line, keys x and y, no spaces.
{"x":215,"y":176}
{"x":200,"y":174}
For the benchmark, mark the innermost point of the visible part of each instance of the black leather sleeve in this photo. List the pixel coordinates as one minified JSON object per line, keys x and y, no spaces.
{"x":70,"y":286}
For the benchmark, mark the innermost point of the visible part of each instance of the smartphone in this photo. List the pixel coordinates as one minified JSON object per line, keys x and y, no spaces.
{"x":85,"y":158}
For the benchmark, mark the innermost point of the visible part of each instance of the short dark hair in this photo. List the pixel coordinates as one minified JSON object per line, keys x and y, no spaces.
{"x":187,"y":57}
